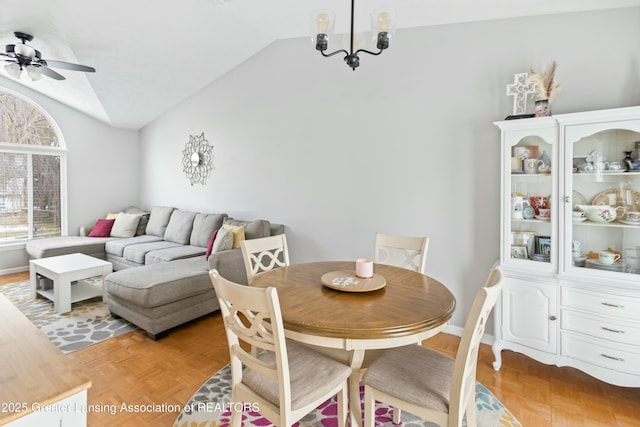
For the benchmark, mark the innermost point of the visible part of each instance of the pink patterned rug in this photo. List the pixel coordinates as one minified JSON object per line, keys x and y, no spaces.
{"x":210,"y":407}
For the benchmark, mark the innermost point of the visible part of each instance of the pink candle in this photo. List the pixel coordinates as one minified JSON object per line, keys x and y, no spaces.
{"x":364,"y":268}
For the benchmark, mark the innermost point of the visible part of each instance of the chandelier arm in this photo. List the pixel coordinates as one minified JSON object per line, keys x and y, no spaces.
{"x":326,"y":55}
{"x":369,"y":52}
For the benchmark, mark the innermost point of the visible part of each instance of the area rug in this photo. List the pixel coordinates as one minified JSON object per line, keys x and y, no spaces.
{"x":89,"y":321}
{"x":209,"y":407}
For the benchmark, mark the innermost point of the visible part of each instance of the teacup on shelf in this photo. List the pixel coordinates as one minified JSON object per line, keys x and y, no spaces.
{"x":545,"y":213}
{"x":613,"y":166}
{"x":608,"y":258}
{"x":633,"y":216}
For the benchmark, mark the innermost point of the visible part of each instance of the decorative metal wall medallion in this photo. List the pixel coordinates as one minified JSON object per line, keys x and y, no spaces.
{"x":197,"y":159}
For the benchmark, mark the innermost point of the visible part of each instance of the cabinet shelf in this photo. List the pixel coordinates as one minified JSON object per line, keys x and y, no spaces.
{"x":531,"y":221}
{"x":604,"y":173}
{"x":611,"y":224}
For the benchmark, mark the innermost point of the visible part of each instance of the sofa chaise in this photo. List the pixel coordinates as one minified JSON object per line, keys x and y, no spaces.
{"x":160,"y":277}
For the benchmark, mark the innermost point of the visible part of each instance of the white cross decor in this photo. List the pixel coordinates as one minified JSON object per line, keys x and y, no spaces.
{"x":519,"y":89}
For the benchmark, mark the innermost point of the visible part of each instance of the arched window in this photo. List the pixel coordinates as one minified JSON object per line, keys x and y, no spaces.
{"x":32,"y":171}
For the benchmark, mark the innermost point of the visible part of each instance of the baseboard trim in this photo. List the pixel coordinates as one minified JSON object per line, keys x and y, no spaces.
{"x":457,"y":331}
{"x":14,"y":270}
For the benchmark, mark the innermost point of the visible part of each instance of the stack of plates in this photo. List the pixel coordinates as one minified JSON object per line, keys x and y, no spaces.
{"x":541,"y":257}
{"x":595,"y":263}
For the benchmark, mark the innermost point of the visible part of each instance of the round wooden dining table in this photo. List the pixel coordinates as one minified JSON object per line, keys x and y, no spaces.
{"x":409,"y":308}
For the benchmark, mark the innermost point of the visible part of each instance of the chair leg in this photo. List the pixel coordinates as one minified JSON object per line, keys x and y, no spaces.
{"x":471,"y":412}
{"x":343,"y":404}
{"x":397,"y":415}
{"x":236,"y":417}
{"x":369,"y":407}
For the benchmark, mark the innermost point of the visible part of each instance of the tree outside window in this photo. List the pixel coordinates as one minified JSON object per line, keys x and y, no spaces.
{"x":31,"y":170}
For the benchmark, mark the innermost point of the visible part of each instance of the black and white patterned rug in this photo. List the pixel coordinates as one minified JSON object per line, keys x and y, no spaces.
{"x":89,"y":321}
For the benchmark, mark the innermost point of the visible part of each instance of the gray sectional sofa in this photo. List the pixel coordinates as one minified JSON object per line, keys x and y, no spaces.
{"x":160,"y":277}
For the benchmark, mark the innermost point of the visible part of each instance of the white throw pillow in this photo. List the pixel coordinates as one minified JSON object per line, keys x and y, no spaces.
{"x":223,"y":242}
{"x":125,"y":225}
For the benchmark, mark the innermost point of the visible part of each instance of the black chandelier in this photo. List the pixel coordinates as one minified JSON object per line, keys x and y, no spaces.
{"x":323,"y":27}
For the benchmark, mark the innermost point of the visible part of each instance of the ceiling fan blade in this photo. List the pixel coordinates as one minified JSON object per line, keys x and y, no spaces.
{"x":69,"y":66}
{"x":51,"y":74}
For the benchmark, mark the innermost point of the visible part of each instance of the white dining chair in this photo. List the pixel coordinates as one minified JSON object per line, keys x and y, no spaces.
{"x":286,"y":379}
{"x":402,"y":251}
{"x":264,"y":254}
{"x":427,"y":383}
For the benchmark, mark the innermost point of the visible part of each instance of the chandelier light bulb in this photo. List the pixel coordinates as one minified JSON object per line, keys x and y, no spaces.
{"x":356,"y":44}
{"x":323,"y":23}
{"x":384,"y":22}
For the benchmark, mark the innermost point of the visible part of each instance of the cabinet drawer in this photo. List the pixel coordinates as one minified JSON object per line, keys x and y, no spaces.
{"x":601,"y":302}
{"x":622,"y":332}
{"x":618,"y":357}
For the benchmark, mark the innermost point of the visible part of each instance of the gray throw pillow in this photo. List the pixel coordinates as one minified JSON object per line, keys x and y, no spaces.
{"x":223,"y":242}
{"x":179,"y":227}
{"x":158,"y":220}
{"x":203,"y":226}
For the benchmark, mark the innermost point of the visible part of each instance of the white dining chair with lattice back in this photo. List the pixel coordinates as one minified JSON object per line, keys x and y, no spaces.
{"x":402,"y":251}
{"x":264,"y":254}
{"x":286,"y":379}
{"x":427,"y":383}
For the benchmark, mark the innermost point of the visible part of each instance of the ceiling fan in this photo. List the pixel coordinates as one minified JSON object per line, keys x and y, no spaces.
{"x":22,"y":56}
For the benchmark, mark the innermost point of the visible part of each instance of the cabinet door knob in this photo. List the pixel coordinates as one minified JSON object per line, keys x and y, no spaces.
{"x":567,"y":199}
{"x":553,"y":318}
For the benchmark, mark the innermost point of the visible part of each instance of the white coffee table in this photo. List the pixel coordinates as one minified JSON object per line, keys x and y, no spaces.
{"x":63,"y":270}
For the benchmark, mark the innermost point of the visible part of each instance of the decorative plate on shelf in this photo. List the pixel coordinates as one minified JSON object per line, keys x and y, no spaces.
{"x":347,"y":281}
{"x":541,"y":257}
{"x":624,"y":221}
{"x":595,"y":263}
{"x":608,"y":197}
{"x":577,"y":199}
{"x":528,"y":212}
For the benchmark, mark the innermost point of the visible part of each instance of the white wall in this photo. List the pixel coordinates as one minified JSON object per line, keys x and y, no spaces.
{"x":102,"y":168}
{"x":404,"y":145}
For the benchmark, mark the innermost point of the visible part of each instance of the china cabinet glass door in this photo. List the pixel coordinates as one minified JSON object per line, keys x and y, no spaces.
{"x":602,"y":191}
{"x":530,"y":206}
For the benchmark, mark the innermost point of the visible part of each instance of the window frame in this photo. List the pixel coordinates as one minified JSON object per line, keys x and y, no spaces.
{"x":30,"y":150}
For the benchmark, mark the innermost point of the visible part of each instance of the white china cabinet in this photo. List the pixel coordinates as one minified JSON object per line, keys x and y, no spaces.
{"x":570,"y":242}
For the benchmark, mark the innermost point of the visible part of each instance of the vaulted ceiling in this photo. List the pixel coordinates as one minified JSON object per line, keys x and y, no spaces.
{"x":151,"y":55}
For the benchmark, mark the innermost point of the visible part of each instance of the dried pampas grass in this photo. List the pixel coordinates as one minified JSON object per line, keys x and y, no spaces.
{"x":545,"y":86}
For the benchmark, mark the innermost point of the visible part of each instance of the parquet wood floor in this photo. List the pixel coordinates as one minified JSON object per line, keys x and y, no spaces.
{"x":134,"y":370}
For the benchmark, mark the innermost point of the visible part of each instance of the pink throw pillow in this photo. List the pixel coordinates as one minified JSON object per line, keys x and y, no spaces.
{"x":102,"y":228}
{"x":210,"y":245}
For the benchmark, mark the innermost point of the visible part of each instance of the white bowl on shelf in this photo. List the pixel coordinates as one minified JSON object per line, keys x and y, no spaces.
{"x":603,"y":214}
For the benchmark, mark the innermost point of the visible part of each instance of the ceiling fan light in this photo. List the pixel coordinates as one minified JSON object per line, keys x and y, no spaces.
{"x":34,"y":72}
{"x":13,"y":69}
